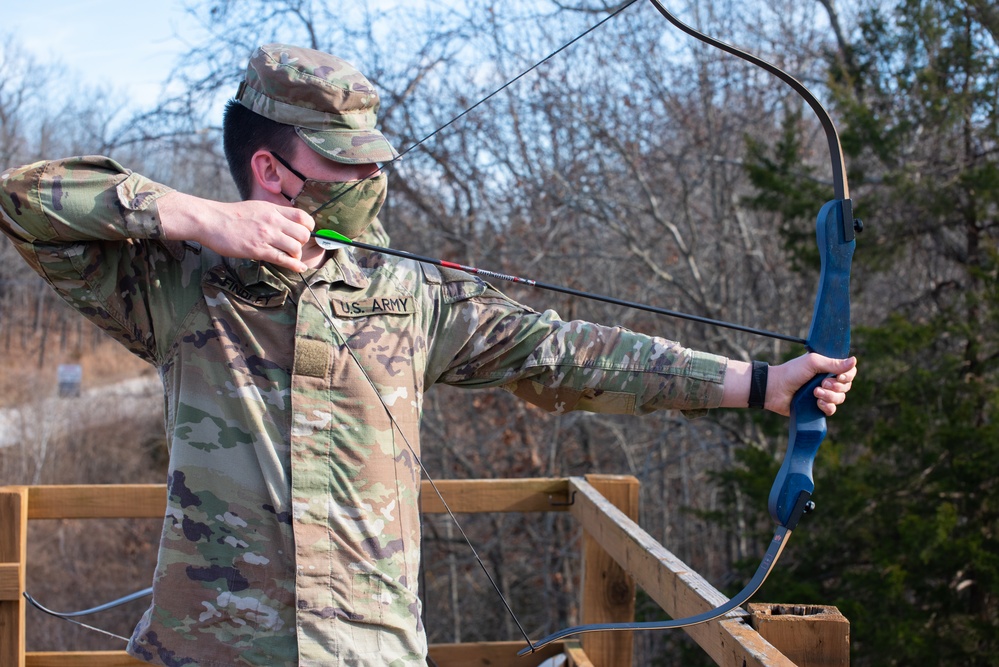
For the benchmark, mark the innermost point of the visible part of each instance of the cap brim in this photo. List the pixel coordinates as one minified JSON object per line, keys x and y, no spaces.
{"x":349,"y":146}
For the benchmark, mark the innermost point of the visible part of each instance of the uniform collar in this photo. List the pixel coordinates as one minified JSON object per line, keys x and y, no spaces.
{"x":339,"y":266}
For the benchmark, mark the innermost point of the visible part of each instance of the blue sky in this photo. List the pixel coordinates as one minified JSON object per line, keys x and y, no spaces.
{"x":130,"y":46}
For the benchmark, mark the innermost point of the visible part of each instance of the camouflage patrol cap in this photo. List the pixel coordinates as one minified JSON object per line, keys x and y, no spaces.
{"x":332,"y":105}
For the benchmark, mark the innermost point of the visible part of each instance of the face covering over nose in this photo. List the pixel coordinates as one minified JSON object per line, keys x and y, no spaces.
{"x":347,"y":207}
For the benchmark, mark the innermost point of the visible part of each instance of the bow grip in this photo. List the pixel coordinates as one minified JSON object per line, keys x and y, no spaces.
{"x":794,"y":484}
{"x":829,"y":335}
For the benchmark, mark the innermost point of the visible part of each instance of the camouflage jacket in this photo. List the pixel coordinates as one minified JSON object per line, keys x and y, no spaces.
{"x":292,"y":530}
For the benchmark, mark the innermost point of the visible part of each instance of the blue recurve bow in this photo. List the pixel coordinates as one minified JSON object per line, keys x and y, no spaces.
{"x":829,"y":335}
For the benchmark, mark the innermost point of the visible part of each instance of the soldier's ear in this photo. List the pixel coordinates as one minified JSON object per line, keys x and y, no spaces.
{"x":268,"y":174}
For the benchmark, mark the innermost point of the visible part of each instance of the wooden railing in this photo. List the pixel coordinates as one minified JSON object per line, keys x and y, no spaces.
{"x":618,"y":555}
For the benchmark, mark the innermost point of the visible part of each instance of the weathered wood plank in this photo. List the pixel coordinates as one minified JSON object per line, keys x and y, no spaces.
{"x":97,"y":501}
{"x":10,"y":581}
{"x":491,"y":654}
{"x":497,"y":495}
{"x":577,"y":656}
{"x":83,"y":659}
{"x":734,"y":643}
{"x":100,"y":501}
{"x":810,"y":635}
{"x":608,"y":590}
{"x":13,"y":552}
{"x":678,"y":590}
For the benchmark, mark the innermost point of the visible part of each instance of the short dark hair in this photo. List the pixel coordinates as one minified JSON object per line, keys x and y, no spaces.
{"x":243,"y":134}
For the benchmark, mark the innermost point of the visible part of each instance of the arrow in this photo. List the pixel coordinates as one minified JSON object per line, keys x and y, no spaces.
{"x":331,"y":240}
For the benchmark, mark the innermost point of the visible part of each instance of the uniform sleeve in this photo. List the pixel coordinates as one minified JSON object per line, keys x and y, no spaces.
{"x":90,"y":228}
{"x":560,"y":366}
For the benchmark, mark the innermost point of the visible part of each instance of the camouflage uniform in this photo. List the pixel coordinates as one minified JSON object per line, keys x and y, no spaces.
{"x":292,"y":529}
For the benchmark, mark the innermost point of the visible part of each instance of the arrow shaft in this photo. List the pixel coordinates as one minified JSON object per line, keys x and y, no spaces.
{"x":572,"y":292}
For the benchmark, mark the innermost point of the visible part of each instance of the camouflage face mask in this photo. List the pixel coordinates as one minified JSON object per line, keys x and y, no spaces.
{"x":347,"y":207}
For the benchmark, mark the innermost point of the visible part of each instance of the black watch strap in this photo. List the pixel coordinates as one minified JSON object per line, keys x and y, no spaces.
{"x":758,"y":385}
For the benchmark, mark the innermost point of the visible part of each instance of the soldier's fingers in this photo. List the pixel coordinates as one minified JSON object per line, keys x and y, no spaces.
{"x":834,"y":384}
{"x":829,"y":395}
{"x":828,"y":409}
{"x":290,"y":258}
{"x":301,"y":219}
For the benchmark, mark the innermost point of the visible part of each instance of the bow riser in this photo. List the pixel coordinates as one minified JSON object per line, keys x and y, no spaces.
{"x":829,"y":335}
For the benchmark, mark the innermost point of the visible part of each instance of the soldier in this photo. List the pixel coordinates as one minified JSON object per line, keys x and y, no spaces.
{"x":294,"y":376}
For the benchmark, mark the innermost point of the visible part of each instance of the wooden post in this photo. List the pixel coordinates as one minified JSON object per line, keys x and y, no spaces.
{"x":810,"y":635}
{"x":13,"y":559}
{"x":576,"y":655}
{"x":608,"y":590}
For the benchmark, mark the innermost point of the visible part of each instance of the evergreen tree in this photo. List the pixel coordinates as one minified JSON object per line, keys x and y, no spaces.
{"x":906,"y":540}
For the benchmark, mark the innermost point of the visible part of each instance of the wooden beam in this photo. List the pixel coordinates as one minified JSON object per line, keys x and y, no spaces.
{"x":737,"y":644}
{"x":674,"y":586}
{"x":491,"y":654}
{"x":10,"y":581}
{"x":109,"y":501}
{"x":497,"y":495}
{"x":13,"y":554}
{"x":97,"y":501}
{"x":83,"y":659}
{"x":577,"y":656}
{"x":608,"y":590}
{"x":810,"y":635}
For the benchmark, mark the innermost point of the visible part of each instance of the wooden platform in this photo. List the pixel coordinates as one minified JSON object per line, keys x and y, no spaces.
{"x":618,"y":556}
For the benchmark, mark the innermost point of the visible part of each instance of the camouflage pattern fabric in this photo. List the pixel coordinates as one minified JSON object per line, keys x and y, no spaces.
{"x":332,"y":105}
{"x":292,"y":529}
{"x":347,"y":207}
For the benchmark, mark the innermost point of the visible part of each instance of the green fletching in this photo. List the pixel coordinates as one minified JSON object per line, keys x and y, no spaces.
{"x":331,"y":235}
{"x":329,"y":239}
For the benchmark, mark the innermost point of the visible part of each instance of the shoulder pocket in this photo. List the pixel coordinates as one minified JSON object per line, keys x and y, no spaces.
{"x":455,"y":285}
